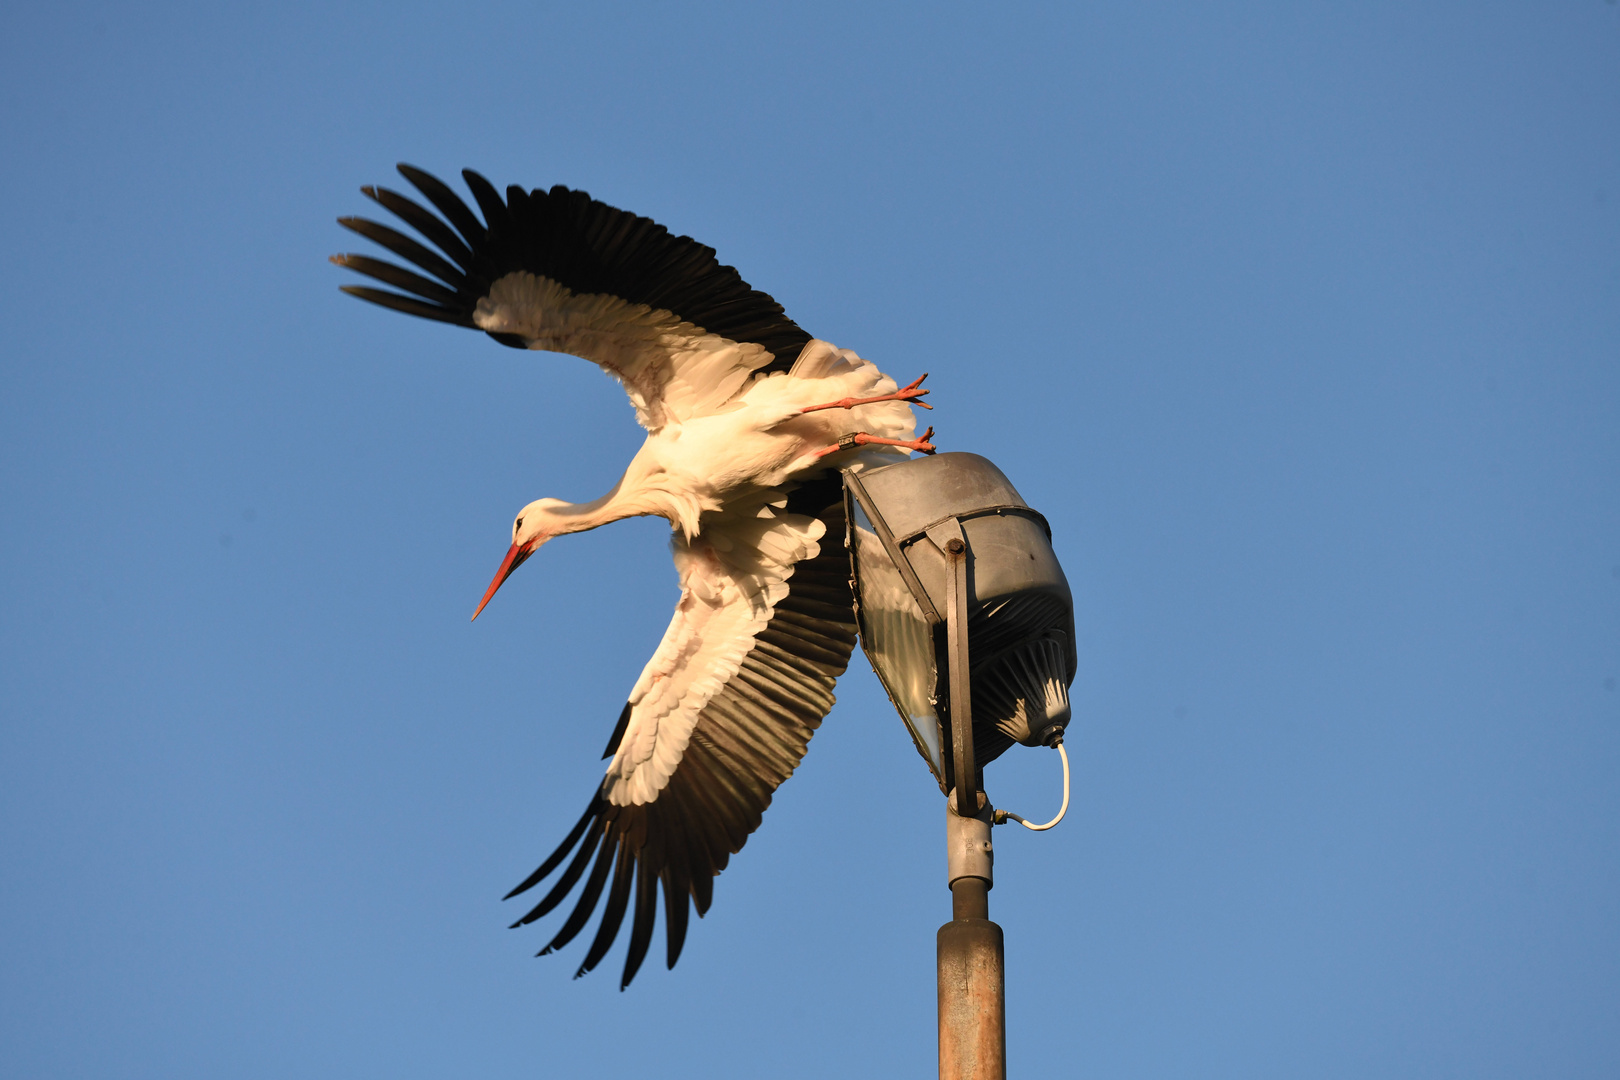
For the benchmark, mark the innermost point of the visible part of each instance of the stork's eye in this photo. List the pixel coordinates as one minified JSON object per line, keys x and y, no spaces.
{"x":518,"y":524}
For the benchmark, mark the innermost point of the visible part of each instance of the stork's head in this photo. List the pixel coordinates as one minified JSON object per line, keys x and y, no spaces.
{"x":534,"y":525}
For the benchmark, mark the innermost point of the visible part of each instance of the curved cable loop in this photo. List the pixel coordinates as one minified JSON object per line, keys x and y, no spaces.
{"x":1002,"y":815}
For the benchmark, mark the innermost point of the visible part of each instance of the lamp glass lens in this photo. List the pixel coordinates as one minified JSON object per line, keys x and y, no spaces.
{"x":897,"y":639}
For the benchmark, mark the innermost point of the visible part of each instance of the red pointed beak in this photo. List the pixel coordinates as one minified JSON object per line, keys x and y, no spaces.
{"x":514,"y":559}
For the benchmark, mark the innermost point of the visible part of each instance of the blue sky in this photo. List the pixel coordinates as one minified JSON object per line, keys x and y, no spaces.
{"x":1300,"y":322}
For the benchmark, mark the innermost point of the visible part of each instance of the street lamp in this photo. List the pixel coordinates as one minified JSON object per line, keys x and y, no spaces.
{"x":968,"y":621}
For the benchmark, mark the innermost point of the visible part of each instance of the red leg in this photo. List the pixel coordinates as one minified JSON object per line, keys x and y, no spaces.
{"x":861,"y":438}
{"x":905,"y":393}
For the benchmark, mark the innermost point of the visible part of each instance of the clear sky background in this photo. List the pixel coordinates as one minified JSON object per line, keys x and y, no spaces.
{"x":1301,"y":322}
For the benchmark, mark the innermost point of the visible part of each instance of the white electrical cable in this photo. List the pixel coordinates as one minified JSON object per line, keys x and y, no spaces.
{"x":1064,"y":809}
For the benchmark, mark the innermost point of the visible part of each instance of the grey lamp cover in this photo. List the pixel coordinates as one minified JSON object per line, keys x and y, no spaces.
{"x":1020,"y":610}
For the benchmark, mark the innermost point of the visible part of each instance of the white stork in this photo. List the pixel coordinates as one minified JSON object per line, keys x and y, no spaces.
{"x":748,"y":419}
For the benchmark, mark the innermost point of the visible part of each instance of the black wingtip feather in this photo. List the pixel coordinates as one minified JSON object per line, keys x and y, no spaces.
{"x":496,"y":219}
{"x":559,"y":891}
{"x":405,"y":304}
{"x":676,"y":909}
{"x":556,"y":857}
{"x":641,"y":925}
{"x":423,"y":221}
{"x":399,"y":278}
{"x":618,"y":733}
{"x":613,"y":914}
{"x":446,"y":202}
{"x":587,"y":899}
{"x":407,"y":249}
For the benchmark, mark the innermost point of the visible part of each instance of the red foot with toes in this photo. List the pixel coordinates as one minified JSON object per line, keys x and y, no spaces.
{"x":906,"y":393}
{"x":861,"y":438}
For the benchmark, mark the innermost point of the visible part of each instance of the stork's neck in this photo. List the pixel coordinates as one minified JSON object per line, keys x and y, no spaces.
{"x":640,"y":492}
{"x":578,"y":517}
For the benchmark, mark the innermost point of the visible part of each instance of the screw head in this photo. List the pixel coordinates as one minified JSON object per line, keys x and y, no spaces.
{"x":955,"y":546}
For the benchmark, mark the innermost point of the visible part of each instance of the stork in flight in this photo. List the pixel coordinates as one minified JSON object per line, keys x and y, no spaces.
{"x":748,"y":421}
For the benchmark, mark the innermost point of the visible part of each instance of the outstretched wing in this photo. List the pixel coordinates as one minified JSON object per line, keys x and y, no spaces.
{"x":558,"y":270}
{"x":720,"y":717}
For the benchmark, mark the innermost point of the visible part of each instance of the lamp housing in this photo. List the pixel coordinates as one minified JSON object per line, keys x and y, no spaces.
{"x":906,"y":523}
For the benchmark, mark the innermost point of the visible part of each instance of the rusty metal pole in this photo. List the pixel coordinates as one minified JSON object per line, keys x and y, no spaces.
{"x":972,"y":992}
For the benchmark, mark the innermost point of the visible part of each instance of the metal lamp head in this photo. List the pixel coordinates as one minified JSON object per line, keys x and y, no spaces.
{"x":903,"y":519}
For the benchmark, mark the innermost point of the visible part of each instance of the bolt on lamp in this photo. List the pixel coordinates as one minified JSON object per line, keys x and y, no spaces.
{"x":968,"y":621}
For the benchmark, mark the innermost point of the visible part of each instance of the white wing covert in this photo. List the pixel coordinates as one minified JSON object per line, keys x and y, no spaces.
{"x":732,"y":577}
